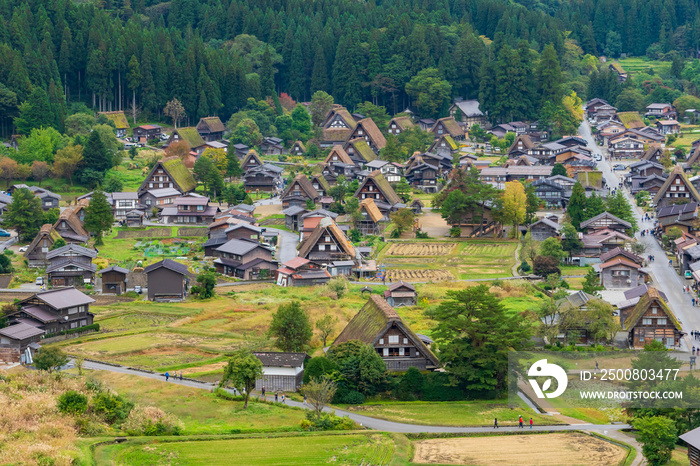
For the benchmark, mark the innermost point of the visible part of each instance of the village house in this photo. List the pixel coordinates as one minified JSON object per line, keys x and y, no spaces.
{"x":620,"y":272}
{"x":121,"y":124}
{"x":299,"y":191}
{"x":168,"y":173}
{"x":266,"y":178}
{"x":543,"y":229}
{"x":337,"y":127}
{"x":501,"y":130}
{"x":191,"y":136}
{"x":377,"y":188}
{"x":373,"y":222}
{"x":71,"y":265}
{"x":135,"y":218}
{"x":417,"y":206}
{"x":444,"y":146}
{"x":390,"y":170}
{"x":359,"y":151}
{"x":467,"y":112}
{"x":661,"y":110}
{"x":114,"y":279}
{"x":625,"y":147}
{"x":281,"y":371}
{"x":692,"y":439}
{"x":320,"y":184}
{"x":251,"y":160}
{"x":398,"y":125}
{"x":596,"y":110}
{"x":479,"y":222}
{"x":367,"y":129}
{"x":71,"y":228}
{"x":401,"y":294}
{"x":651,"y":319}
{"x":40,"y":246}
{"x":426,"y":124}
{"x":326,"y":243}
{"x":244,"y":259}
{"x":167,"y":281}
{"x":301,"y":272}
{"x":298,"y":149}
{"x":377,"y":324}
{"x":448,"y":126}
{"x":499,"y":176}
{"x":158,"y":198}
{"x":608,"y":130}
{"x":55,"y":310}
{"x":244,"y":231}
{"x":653,"y":153}
{"x":191,"y":209}
{"x":551,"y":193}
{"x":650,"y":184}
{"x":211,"y":129}
{"x":241,"y":150}
{"x":521,"y":146}
{"x":19,"y":343}
{"x":682,"y":216}
{"x":310,"y":220}
{"x":546,"y":152}
{"x":616,"y":68}
{"x":122,"y":203}
{"x":668,"y":127}
{"x":145,"y":133}
{"x":676,"y":190}
{"x":647,"y":168}
{"x":605,"y":221}
{"x":48,"y":199}
{"x":272,"y":146}
{"x":598,"y":242}
{"x":292,"y":217}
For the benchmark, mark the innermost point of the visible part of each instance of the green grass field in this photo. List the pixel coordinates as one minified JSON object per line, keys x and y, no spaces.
{"x":456,"y":413}
{"x":350,"y":449}
{"x":641,"y":65}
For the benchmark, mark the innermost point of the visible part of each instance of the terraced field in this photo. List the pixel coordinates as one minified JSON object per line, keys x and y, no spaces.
{"x":420,"y":249}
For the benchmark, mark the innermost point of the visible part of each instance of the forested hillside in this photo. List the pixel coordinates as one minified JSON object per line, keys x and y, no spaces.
{"x":212,"y":55}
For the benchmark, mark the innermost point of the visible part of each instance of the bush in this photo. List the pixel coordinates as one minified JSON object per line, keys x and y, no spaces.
{"x":151,"y":421}
{"x":326,"y":421}
{"x":525,"y":267}
{"x":317,"y":367}
{"x":410,"y":385}
{"x":422,"y":235}
{"x":455,"y":232}
{"x":545,"y":266}
{"x":113,"y":409}
{"x":436,"y":388}
{"x":352,"y":397}
{"x":72,"y":402}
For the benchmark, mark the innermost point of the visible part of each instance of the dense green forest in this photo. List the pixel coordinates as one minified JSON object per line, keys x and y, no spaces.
{"x":214,"y":54}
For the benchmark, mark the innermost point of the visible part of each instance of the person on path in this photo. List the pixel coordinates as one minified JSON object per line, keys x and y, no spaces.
{"x":531,"y":423}
{"x":495,"y":423}
{"x":304,"y":398}
{"x":167,"y":376}
{"x":520,"y":422}
{"x":283,"y":398}
{"x":180,"y":376}
{"x":263,"y":392}
{"x":275,"y":397}
{"x":596,"y":366}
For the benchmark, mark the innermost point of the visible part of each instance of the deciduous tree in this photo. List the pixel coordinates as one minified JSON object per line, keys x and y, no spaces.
{"x":514,"y":204}
{"x":403,"y":220}
{"x":325,"y":326}
{"x":98,"y":215}
{"x":291,"y":327}
{"x":429,"y":92}
{"x":8,"y":170}
{"x":40,"y":170}
{"x":242,"y":370}
{"x":175,"y":111}
{"x":24,"y":214}
{"x":67,"y":161}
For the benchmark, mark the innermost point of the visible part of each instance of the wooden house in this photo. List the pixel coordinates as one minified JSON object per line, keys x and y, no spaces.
{"x":468,"y":113}
{"x":683,"y":216}
{"x":668,"y":127}
{"x":251,"y":160}
{"x":552,"y":194}
{"x":479,"y":222}
{"x":626,"y":147}
{"x":281,"y":371}
{"x":616,"y":68}
{"x":211,"y":129}
{"x":359,"y":151}
{"x":417,"y":206}
{"x":326,"y":243}
{"x":651,"y":319}
{"x":373,"y":222}
{"x":298,"y":149}
{"x":377,"y":188}
{"x":338,"y":155}
{"x":620,"y":272}
{"x":189,"y":209}
{"x":40,"y":246}
{"x":168,"y":173}
{"x":448,"y":126}
{"x":445,"y":146}
{"x":367,"y":129}
{"x":653,"y":153}
{"x":692,"y":439}
{"x":337,"y":127}
{"x":604,"y":221}
{"x":320,"y":184}
{"x":299,"y":191}
{"x":310,"y":220}
{"x":145,"y":133}
{"x":241,"y":150}
{"x":244,"y":231}
{"x":292,"y":217}
{"x":609,"y":130}
{"x":676,"y":190}
{"x":272,"y":146}
{"x":600,"y":241}
{"x":647,"y":168}
{"x":48,"y":199}
{"x":650,"y":184}
{"x":244,"y":259}
{"x":576,"y":333}
{"x":301,"y":272}
{"x":167,"y":281}
{"x":71,"y":228}
{"x":135,"y":218}
{"x":19,"y":343}
{"x":158,"y":198}
{"x":191,"y":136}
{"x":55,"y":310}
{"x":71,"y":265}
{"x":266,"y":178}
{"x":118,"y":119}
{"x":398,"y":125}
{"x":661,"y":111}
{"x":378,"y":324}
{"x":621,"y":253}
{"x":401,"y":294}
{"x":114,"y":279}
{"x":521,"y":146}
{"x":543,"y":229}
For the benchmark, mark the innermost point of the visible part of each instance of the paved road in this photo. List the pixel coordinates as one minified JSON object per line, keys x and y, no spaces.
{"x":665,"y":277}
{"x":369,"y":422}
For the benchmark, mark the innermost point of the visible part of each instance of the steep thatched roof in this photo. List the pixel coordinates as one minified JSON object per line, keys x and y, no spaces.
{"x":305,"y":186}
{"x":403,"y":122}
{"x":326,"y":225}
{"x":675,"y":174}
{"x":342,"y":155}
{"x":631,"y":119}
{"x":373,"y":320}
{"x":118,"y":118}
{"x":645,"y":301}
{"x":214,"y":123}
{"x":300,"y":145}
{"x":46,"y":230}
{"x":450,"y":125}
{"x":362,"y":148}
{"x":383,"y":185}
{"x":323,"y":182}
{"x":179,"y":173}
{"x":190,"y":135}
{"x":372,"y":210}
{"x":652,"y":151}
{"x":371,"y":129}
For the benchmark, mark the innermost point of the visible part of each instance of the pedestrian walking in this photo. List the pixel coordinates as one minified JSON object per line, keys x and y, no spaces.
{"x":531,"y":423}
{"x":275,"y":397}
{"x":520,"y":422}
{"x":282,"y":398}
{"x":693,"y":351}
{"x":180,"y":376}
{"x":495,"y":423}
{"x":304,"y":398}
{"x":596,"y":366}
{"x":263,"y":391}
{"x":167,"y":376}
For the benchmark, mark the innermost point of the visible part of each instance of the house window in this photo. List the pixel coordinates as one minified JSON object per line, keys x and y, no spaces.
{"x":646,"y":321}
{"x":381,"y":341}
{"x":670,"y":341}
{"x":74,"y":325}
{"x":405,"y":341}
{"x":332,"y":247}
{"x":661,"y":321}
{"x":401,"y":351}
{"x":393,"y":339}
{"x":386,"y":352}
{"x":654,"y":310}
{"x":321,"y":247}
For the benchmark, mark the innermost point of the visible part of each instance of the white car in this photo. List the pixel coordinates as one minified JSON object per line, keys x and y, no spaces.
{"x":23,"y":249}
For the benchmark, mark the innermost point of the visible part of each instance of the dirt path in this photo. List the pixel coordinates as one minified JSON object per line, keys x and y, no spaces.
{"x":517,"y":262}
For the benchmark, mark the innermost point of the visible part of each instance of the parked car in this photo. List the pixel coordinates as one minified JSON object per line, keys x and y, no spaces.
{"x":39,"y":281}
{"x":597,"y":157}
{"x":619,"y":166}
{"x":164,"y":137}
{"x":688,"y":274}
{"x":4,"y":233}
{"x":138,"y":289}
{"x":23,"y":249}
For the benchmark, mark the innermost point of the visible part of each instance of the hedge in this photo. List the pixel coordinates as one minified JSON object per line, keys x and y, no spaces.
{"x":85,"y":328}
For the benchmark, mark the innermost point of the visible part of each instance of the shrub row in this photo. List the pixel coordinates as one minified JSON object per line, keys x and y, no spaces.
{"x":84,"y":328}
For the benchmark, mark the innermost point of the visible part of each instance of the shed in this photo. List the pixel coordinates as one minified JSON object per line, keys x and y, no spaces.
{"x":281,"y":371}
{"x":167,"y":281}
{"x":114,"y":279}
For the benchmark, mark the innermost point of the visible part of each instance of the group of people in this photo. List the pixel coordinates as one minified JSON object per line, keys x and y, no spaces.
{"x":651,"y":258}
{"x":695,"y":334}
{"x":167,"y":375}
{"x":278,"y":396}
{"x":520,"y":423}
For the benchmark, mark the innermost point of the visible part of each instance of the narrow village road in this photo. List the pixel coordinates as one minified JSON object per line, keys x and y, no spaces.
{"x":370,"y":422}
{"x":665,"y":278}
